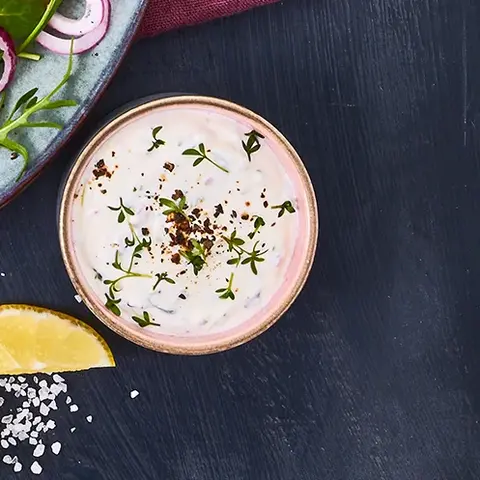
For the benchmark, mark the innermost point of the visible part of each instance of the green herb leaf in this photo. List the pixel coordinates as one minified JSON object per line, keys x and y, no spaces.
{"x":191,"y":151}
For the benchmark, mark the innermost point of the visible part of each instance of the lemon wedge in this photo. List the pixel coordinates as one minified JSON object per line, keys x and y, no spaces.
{"x":38,"y":340}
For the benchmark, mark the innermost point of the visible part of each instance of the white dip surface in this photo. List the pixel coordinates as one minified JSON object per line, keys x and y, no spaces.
{"x":125,"y":176}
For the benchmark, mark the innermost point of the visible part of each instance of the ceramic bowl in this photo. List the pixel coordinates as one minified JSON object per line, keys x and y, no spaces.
{"x":300,"y":262}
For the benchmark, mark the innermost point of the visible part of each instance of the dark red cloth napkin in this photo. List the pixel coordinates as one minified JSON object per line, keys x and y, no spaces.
{"x":163,"y":15}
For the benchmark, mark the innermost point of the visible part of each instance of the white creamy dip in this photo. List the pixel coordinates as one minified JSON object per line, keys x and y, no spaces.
{"x":118,"y":208}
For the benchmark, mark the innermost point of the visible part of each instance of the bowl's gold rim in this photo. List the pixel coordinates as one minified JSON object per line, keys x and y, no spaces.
{"x":143,"y":339}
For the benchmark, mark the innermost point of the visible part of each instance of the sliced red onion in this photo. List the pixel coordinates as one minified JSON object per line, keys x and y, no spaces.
{"x":94,"y":12}
{"x":81,"y":44}
{"x":7,"y":47}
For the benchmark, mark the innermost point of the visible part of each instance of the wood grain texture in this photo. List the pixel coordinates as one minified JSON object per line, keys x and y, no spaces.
{"x":373,"y":374}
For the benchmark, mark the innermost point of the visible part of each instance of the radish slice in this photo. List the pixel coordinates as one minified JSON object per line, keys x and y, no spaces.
{"x":81,"y":44}
{"x":7,"y":47}
{"x":94,"y":11}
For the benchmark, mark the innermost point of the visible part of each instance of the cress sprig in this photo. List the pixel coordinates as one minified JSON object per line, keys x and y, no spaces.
{"x":173,"y":207}
{"x":284,"y":207}
{"x":197,"y":257}
{"x":139,"y":245}
{"x":226,"y":293}
{"x":156,"y":142}
{"x":244,"y":257}
{"x":202,"y":154}
{"x":27,"y":105}
{"x":145,"y":320}
{"x":162,"y":277}
{"x":252,"y":144}
{"x":257,"y":225}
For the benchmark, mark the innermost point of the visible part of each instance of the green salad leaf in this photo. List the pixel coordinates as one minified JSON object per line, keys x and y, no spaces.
{"x":20,"y":17}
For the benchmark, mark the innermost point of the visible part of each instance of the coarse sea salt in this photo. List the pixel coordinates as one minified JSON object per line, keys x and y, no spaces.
{"x":30,"y":421}
{"x":39,"y":450}
{"x":134,"y":394}
{"x":36,"y":468}
{"x":56,"y":447}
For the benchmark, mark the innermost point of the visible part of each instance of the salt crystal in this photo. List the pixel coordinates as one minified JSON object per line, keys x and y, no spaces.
{"x":4,"y":444}
{"x":15,"y":387}
{"x":51,"y":425}
{"x":39,"y":450}
{"x":25,"y":404}
{"x":73,"y":408}
{"x":31,"y":393}
{"x":36,"y":468}
{"x":134,"y":394}
{"x":32,"y":441}
{"x":58,"y":379}
{"x":73,"y":429}
{"x":11,"y":379}
{"x":56,"y":447}
{"x":8,"y":387}
{"x":7,"y":459}
{"x":37,"y":420}
{"x":53,"y":405}
{"x":43,"y":384}
{"x":34,"y":434}
{"x":7,"y":419}
{"x":44,"y":410}
{"x":78,"y":298}
{"x":55,"y":389}
{"x":22,"y":379}
{"x":22,"y":436}
{"x":43,"y":394}
{"x":2,"y":274}
{"x":36,"y":402}
{"x":2,"y":401}
{"x":12,"y":441}
{"x":39,"y":427}
{"x":89,"y":419}
{"x":68,"y":400}
{"x":17,"y":467}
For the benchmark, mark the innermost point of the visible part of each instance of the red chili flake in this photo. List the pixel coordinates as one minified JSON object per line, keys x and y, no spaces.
{"x":182,"y":296}
{"x":234,"y":214}
{"x":177,"y":195}
{"x":206,"y":225}
{"x":113,"y":154}
{"x":218,"y":210}
{"x":145,"y":231}
{"x":14,"y":155}
{"x":103,"y":192}
{"x":245,"y":216}
{"x":265,"y":204}
{"x":247,"y":204}
{"x":169,"y":166}
{"x":196,"y":212}
{"x":176,"y":258}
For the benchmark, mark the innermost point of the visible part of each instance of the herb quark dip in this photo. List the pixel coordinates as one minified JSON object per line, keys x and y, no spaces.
{"x":186,"y":221}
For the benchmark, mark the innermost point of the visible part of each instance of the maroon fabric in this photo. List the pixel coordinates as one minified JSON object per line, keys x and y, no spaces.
{"x":163,"y":15}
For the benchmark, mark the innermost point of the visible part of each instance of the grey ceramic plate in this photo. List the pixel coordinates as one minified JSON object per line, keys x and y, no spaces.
{"x":92,"y":71}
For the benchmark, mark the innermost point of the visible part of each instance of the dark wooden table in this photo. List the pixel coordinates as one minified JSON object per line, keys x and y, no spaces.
{"x":374,"y":372}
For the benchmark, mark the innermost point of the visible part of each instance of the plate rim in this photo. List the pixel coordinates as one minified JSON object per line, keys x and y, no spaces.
{"x":49,"y":154}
